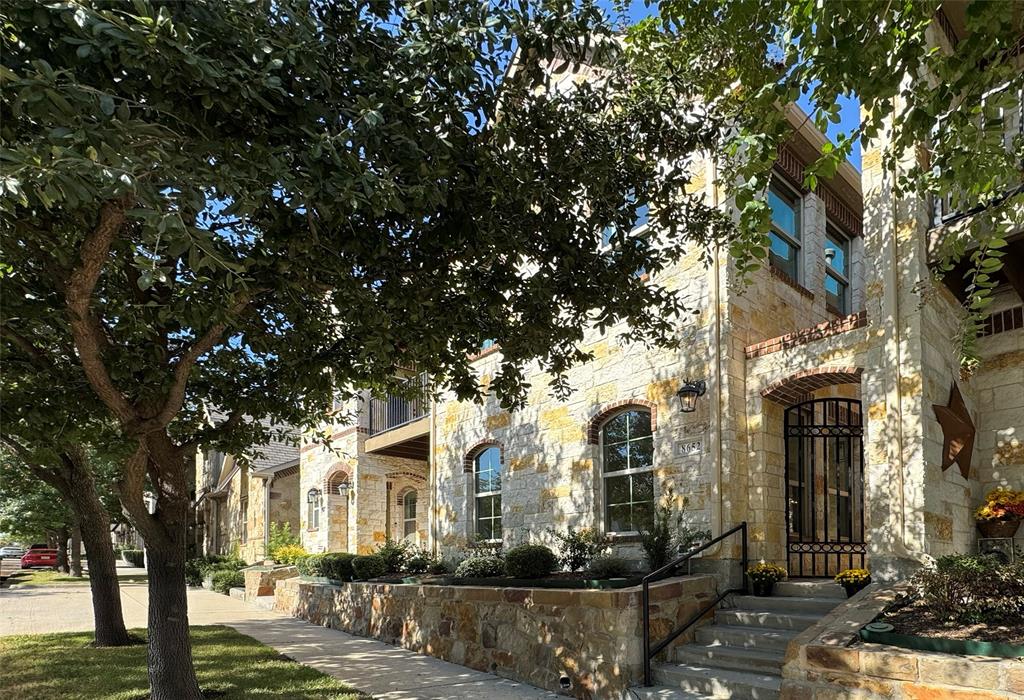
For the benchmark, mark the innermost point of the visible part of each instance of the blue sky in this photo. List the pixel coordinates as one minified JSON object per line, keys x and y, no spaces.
{"x":849,"y":108}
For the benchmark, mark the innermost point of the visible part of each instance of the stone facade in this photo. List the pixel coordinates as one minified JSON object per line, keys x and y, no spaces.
{"x":538,"y":636}
{"x":828,"y":661}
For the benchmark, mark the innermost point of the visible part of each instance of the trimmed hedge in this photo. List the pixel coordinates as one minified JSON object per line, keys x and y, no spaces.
{"x":530,"y":561}
{"x":198,"y":568}
{"x":332,"y":565}
{"x":609,"y":566}
{"x":135,"y":557}
{"x":369,"y":566}
{"x":226,"y":579}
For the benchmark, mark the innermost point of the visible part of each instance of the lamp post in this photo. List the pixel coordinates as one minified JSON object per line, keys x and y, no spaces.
{"x":688,"y":394}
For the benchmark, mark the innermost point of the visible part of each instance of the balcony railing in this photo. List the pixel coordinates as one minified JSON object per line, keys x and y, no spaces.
{"x":394,"y":411}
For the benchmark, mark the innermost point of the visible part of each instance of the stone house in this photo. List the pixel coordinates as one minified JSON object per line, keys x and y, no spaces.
{"x":239,"y":496}
{"x":816,"y":421}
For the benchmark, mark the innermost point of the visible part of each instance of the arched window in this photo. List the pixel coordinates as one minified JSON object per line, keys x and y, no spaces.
{"x":627,"y":456}
{"x":313,"y":503}
{"x":409,"y":515}
{"x":487,"y":493}
{"x":337,"y":484}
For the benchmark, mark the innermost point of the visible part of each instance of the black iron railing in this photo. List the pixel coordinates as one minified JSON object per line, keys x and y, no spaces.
{"x":664,"y":572}
{"x":395,"y":410}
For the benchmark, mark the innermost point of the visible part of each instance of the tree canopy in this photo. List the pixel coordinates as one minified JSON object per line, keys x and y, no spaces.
{"x":942,"y":100}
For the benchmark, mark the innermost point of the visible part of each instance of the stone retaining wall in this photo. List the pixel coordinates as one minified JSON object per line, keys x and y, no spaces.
{"x":261,"y":580}
{"x":829,"y":662}
{"x":534,"y":635}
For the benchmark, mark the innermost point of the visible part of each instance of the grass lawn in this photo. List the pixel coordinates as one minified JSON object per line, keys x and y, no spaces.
{"x":230,"y":666}
{"x":47,"y":577}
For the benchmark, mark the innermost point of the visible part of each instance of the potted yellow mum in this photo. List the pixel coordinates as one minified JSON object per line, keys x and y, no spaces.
{"x":1001,"y":513}
{"x":764,"y":576}
{"x":853,"y":580}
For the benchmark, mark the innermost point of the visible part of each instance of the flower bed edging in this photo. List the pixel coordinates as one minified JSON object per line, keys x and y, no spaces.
{"x":966,"y":647}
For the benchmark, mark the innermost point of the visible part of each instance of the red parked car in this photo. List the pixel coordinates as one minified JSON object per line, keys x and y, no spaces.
{"x":39,"y":555}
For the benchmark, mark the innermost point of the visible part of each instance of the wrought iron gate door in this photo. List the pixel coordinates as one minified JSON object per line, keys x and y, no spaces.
{"x":824,"y":487}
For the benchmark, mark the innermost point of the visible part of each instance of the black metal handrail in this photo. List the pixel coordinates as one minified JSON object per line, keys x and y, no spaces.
{"x":666,"y":571}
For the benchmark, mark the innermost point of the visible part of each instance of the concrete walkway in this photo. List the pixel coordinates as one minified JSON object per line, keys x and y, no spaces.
{"x":379,"y":669}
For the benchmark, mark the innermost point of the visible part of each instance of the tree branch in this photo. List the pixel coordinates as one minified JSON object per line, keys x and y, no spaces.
{"x":130,"y":489}
{"x":37,"y":356}
{"x":85,"y":327}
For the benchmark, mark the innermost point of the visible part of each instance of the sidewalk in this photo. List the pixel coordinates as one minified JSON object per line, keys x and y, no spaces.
{"x":384,"y":671}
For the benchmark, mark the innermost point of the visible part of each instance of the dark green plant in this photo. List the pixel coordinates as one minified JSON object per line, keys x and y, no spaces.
{"x":367,"y":566}
{"x":577,"y":548}
{"x":394,"y":554}
{"x":333,"y":565}
{"x":226,"y":579}
{"x":970,"y":589}
{"x":481,"y":567}
{"x":609,"y":566}
{"x":689,"y":538}
{"x":658,"y":541}
{"x":530,"y":561}
{"x":135,"y":557}
{"x":198,"y":568}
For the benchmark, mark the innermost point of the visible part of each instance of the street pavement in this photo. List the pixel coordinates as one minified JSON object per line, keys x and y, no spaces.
{"x":384,"y":671}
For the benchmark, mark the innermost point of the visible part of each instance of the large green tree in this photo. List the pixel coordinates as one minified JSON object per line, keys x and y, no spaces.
{"x":252,"y":205}
{"x":943,"y":101}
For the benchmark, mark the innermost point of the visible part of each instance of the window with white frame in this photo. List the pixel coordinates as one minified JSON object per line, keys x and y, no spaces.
{"x":784,"y":202}
{"x":642,"y":218}
{"x":409,"y":515}
{"x":487,"y":493}
{"x":627,"y":464}
{"x":837,"y":270}
{"x":243,"y":519}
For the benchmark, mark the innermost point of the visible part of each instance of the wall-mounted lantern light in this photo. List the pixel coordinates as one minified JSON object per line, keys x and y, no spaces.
{"x":688,"y":394}
{"x":313,"y":496}
{"x":343,"y":489}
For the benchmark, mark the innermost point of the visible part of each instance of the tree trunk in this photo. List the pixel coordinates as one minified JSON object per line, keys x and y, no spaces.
{"x":76,"y":552}
{"x":62,"y":549}
{"x":172,"y":675}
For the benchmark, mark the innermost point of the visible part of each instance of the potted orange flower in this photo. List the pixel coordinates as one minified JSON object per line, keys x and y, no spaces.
{"x":1001,"y":513}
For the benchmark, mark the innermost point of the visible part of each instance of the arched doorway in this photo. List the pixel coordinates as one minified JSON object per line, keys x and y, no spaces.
{"x":824,"y":478}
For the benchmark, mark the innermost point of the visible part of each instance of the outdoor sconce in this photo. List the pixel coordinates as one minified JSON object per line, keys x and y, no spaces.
{"x":343,"y":489}
{"x":312,"y":496}
{"x":688,"y":394}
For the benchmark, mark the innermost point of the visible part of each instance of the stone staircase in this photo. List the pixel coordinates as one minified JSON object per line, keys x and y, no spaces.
{"x":740,"y":655}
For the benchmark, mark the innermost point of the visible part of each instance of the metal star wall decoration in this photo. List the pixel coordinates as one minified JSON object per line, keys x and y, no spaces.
{"x":957,"y":430}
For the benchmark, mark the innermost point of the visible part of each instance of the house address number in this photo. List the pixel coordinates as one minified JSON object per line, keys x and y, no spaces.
{"x":689,"y":448}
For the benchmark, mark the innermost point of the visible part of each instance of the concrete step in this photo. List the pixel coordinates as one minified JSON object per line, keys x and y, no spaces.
{"x":263,"y":601}
{"x":718,"y":682}
{"x":735,"y":658}
{"x":663,"y":692}
{"x":789,"y":604}
{"x":810,"y":588}
{"x":764,"y":619}
{"x":745,"y":637}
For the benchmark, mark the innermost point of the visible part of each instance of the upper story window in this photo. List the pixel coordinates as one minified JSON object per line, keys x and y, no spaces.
{"x":487,"y":493}
{"x":627,"y":450}
{"x":409,"y":514}
{"x":837,"y":272}
{"x":785,"y":231}
{"x":643,"y":213}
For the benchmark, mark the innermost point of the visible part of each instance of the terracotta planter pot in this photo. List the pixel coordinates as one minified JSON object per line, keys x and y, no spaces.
{"x":998,"y":528}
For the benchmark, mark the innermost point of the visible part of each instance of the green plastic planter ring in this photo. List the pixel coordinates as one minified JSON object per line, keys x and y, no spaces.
{"x":882,"y":633}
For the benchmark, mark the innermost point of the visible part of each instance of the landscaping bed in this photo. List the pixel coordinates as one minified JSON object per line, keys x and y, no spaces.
{"x":230,"y":666}
{"x":565,"y":580}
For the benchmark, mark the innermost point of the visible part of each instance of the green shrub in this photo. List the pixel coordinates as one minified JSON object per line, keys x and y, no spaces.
{"x":226,"y":579}
{"x":280,"y":535}
{"x":288,"y":555}
{"x":609,"y":566}
{"x":481,"y":567}
{"x":199,"y":568}
{"x":394,"y":553}
{"x":969,"y":589}
{"x":530,"y":561}
{"x":135,"y":557}
{"x":419,"y":561}
{"x":658,"y":540}
{"x":369,"y":566}
{"x":577,"y":548}
{"x":332,"y":565}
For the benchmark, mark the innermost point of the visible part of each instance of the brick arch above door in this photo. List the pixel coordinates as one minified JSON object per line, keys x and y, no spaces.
{"x":800,"y":385}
